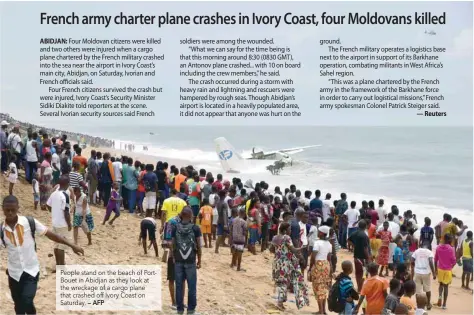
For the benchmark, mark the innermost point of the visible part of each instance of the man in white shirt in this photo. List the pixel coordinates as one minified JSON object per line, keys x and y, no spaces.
{"x":117,"y":166}
{"x":58,"y":204}
{"x":422,"y":266}
{"x":393,"y":227}
{"x":31,"y":156}
{"x":352,"y":217}
{"x":23,"y":265}
{"x":381,"y":212}
{"x":327,"y":207}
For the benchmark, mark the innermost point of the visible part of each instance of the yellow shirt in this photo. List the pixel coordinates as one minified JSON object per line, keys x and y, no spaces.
{"x":466,"y":250}
{"x":247,"y":206}
{"x":172,"y":207}
{"x":450,"y":229}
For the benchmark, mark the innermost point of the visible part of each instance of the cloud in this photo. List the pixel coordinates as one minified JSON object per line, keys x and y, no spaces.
{"x":462,"y":44}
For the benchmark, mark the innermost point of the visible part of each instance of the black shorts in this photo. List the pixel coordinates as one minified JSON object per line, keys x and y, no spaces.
{"x":170,"y":266}
{"x":160,"y":197}
{"x":148,"y":227}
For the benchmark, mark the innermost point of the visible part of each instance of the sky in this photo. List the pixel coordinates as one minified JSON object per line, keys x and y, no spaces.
{"x":21,"y":32}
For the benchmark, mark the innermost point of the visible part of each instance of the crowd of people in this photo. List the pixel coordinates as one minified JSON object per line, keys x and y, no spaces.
{"x":187,"y":209}
{"x":13,"y":127}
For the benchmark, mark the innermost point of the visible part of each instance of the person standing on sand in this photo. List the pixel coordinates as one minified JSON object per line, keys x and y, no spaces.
{"x":238,"y":233}
{"x":466,"y":254}
{"x":381,"y":212}
{"x":194,"y":195}
{"x":222,"y":220}
{"x":31,"y":155}
{"x":82,"y":216}
{"x":3,"y":146}
{"x":360,"y":242}
{"x":186,"y":242}
{"x":383,"y":257}
{"x":374,"y":291}
{"x":46,"y":180}
{"x":92,"y":179}
{"x":286,"y":270}
{"x":426,"y":234}
{"x":150,"y":181}
{"x":22,"y":263}
{"x":254,"y":225}
{"x":320,"y":270}
{"x":172,"y":207}
{"x":205,"y":220}
{"x":12,"y":176}
{"x":130,"y":173}
{"x":422,"y":264}
{"x":82,"y":160}
{"x":346,"y":288}
{"x":342,"y":226}
{"x":445,"y":260}
{"x":58,"y":205}
{"x":107,"y":177}
{"x":117,"y":169}
{"x":141,"y":187}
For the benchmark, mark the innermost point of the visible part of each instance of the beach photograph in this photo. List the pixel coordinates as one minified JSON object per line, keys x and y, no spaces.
{"x":407,"y":186}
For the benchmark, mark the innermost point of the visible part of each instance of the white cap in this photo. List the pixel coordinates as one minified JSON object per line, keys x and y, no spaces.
{"x":324,"y":229}
{"x":4,"y":123}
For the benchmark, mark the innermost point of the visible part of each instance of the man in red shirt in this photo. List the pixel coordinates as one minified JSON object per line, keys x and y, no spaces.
{"x":218,"y":183}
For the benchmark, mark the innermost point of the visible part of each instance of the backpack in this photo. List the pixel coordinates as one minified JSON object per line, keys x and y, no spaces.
{"x":147,"y":185}
{"x":335,"y":303}
{"x":185,"y":246}
{"x":31,"y":222}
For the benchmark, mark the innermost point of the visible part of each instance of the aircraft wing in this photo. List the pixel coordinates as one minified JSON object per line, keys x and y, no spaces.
{"x":292,"y":150}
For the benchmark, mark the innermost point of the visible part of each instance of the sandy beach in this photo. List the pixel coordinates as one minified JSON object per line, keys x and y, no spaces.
{"x":220,"y":289}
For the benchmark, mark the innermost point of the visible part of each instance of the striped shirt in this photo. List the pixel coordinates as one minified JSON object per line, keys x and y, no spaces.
{"x":74,"y":179}
{"x":345,"y":287}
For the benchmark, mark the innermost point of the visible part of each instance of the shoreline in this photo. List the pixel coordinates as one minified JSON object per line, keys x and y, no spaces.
{"x":435,"y":212}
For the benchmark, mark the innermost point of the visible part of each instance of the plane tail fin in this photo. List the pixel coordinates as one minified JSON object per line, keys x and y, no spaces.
{"x":230,"y":159}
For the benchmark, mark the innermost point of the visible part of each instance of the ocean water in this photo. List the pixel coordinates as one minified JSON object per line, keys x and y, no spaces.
{"x":428,"y":170}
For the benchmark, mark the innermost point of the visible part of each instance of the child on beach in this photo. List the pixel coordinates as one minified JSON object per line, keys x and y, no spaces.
{"x":213,"y":198}
{"x":421,"y":302}
{"x":82,"y":216}
{"x":409,"y":288}
{"x":234,"y":213}
{"x":238,"y":233}
{"x":346,"y":287}
{"x":403,"y":276}
{"x":445,"y":260}
{"x":426,"y":234}
{"x":148,"y":226}
{"x":391,"y":301}
{"x":205,"y":218}
{"x":112,"y":205}
{"x":391,"y":252}
{"x":398,"y":258}
{"x":35,"y":184}
{"x":12,"y":176}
